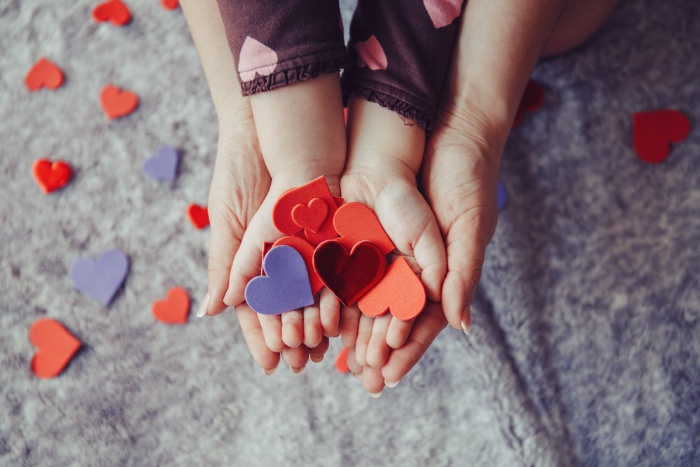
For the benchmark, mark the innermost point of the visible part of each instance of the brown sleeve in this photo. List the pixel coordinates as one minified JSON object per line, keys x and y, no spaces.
{"x":401,"y":51}
{"x":279,"y":43}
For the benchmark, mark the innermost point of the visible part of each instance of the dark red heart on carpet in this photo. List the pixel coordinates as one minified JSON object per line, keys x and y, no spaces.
{"x":349,"y":275}
{"x":655,"y":131}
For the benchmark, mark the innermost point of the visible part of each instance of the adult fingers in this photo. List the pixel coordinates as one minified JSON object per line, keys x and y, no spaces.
{"x":252,"y":333}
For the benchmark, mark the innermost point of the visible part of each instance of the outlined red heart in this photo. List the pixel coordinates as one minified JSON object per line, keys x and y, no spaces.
{"x":306,"y":250}
{"x":44,"y":73}
{"x":198,"y":215}
{"x":282,"y":211}
{"x":399,"y":291}
{"x":174,"y":308}
{"x":55,"y":347}
{"x":51,"y":175}
{"x":114,"y":11}
{"x":349,"y":273}
{"x":310,"y":216}
{"x":355,"y":222}
{"x":655,"y":131}
{"x":117,"y":103}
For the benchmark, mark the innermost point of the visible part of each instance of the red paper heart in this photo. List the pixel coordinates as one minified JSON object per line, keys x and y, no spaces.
{"x":400,"y":291}
{"x":170,"y":4}
{"x":282,"y":212}
{"x":655,"y":131}
{"x":174,"y":309}
{"x":55,"y":347}
{"x":355,"y":222}
{"x":311,"y":216}
{"x":306,"y":250}
{"x":114,"y":11}
{"x":341,"y":361}
{"x":198,"y":215}
{"x":117,"y":103}
{"x":349,"y":275}
{"x":43,"y":73}
{"x":51,"y":176}
{"x":532,"y":100}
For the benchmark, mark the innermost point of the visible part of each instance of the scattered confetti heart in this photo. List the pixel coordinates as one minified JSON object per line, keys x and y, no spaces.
{"x":306,"y":250}
{"x":174,"y":309}
{"x":399,"y":291}
{"x":286,"y":286}
{"x":162,"y":166}
{"x":349,"y":273}
{"x":43,"y":73}
{"x":311,"y":216}
{"x":55,"y":347}
{"x":100,"y":279}
{"x":117,"y":103}
{"x":282,"y":211}
{"x":355,"y":222}
{"x":170,"y":4}
{"x":198,"y":215}
{"x":114,"y":11}
{"x":655,"y":131}
{"x":51,"y":175}
{"x":532,"y":100}
{"x":502,"y":196}
{"x":341,"y":361}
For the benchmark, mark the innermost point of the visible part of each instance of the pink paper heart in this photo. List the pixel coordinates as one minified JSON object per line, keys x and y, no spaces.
{"x":443,"y":12}
{"x":371,"y":54}
{"x":256,"y":57}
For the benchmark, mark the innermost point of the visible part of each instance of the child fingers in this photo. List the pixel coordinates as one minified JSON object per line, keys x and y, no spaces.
{"x":296,"y":358}
{"x":330,"y":313}
{"x":377,"y":348}
{"x":354,"y":367}
{"x":398,"y":332}
{"x":293,"y":328}
{"x":254,"y":339}
{"x":373,"y":381}
{"x":317,"y":353}
{"x":364,"y":333}
{"x":271,"y":329}
{"x":349,"y":325}
{"x":312,"y":332}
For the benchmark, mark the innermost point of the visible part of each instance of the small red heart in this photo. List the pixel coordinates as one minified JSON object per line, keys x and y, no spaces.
{"x":170,"y":4}
{"x":51,"y":175}
{"x":349,"y":275}
{"x":655,"y":131}
{"x":114,"y":11}
{"x":174,"y":309}
{"x":306,"y":250}
{"x":341,"y":361}
{"x":399,"y":291}
{"x":55,"y":347}
{"x":282,"y":212}
{"x":117,"y":103}
{"x":532,"y":100}
{"x":355,"y":222}
{"x":311,"y":216}
{"x":44,"y":73}
{"x":198,"y":215}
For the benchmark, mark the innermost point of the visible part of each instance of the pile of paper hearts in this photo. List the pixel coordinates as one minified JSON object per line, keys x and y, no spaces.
{"x":340,"y":245}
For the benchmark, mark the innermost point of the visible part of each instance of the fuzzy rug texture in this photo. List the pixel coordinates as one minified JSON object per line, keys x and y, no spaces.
{"x":586,"y":341}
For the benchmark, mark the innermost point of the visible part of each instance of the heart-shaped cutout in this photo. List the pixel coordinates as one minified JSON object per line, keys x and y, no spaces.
{"x":355,"y":222}
{"x":117,"y":103}
{"x":306,"y":250}
{"x":399,"y":291}
{"x":44,"y":73}
{"x":198,"y":215}
{"x":170,"y":4}
{"x":100,"y":279}
{"x":349,"y":273}
{"x":174,"y":309}
{"x":370,"y":53}
{"x":443,"y":12}
{"x":532,"y":100}
{"x":282,"y":211}
{"x":51,"y":175}
{"x":655,"y":131}
{"x":285,"y":286}
{"x":310,"y":216}
{"x":114,"y":11}
{"x":55,"y":347}
{"x":341,"y":361}
{"x":162,"y":166}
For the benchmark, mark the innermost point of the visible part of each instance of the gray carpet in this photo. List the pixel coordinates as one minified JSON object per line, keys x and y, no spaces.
{"x":586,"y":339}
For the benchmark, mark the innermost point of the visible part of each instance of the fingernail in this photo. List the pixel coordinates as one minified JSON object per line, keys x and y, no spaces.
{"x":391,"y":385}
{"x":270,"y":372}
{"x":203,"y":307}
{"x":297,"y":371}
{"x":375,"y":395}
{"x":316,"y":359}
{"x":467,"y":320}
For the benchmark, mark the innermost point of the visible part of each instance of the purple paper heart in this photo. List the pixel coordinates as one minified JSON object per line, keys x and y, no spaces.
{"x":162,"y":166}
{"x":286,"y":286}
{"x":502,"y":196}
{"x":102,"y":278}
